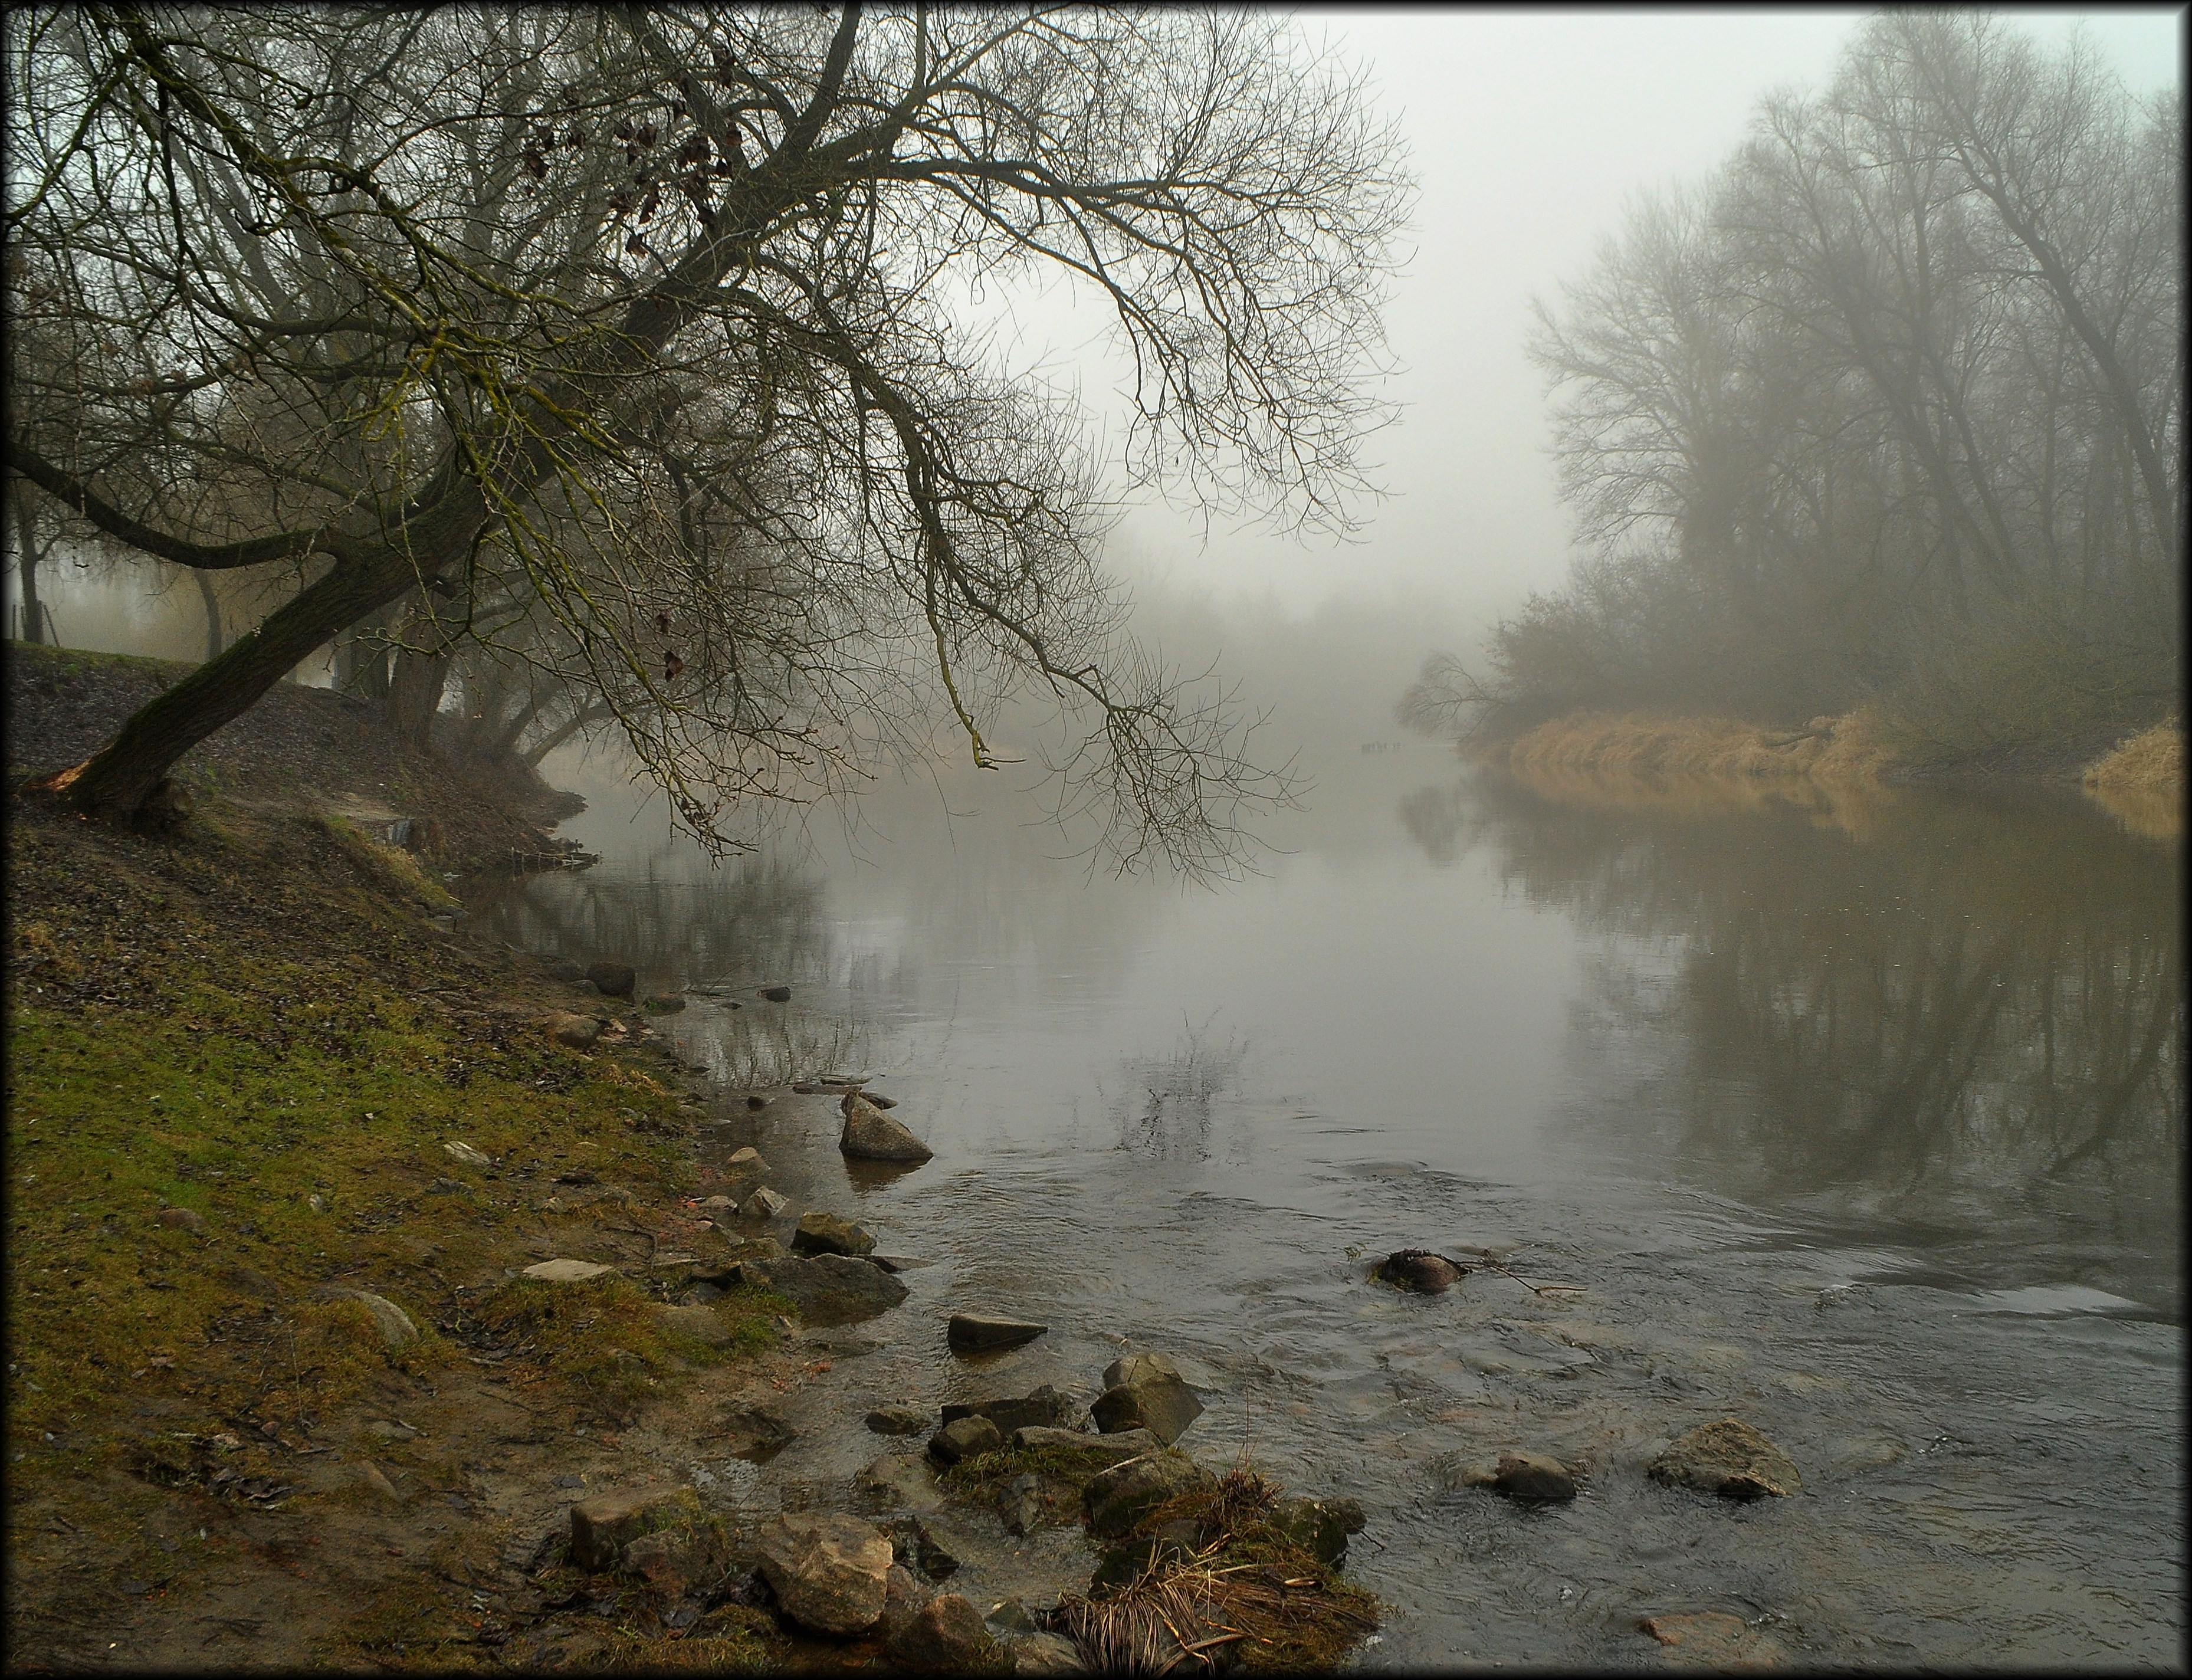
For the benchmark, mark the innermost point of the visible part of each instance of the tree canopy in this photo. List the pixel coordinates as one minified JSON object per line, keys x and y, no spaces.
{"x":634,"y":343}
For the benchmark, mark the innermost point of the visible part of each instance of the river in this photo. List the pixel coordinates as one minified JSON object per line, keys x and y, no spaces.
{"x":1863,"y":1123}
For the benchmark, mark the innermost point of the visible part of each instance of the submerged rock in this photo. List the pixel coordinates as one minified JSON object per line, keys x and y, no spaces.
{"x":755,"y":1433}
{"x":1415,"y":1269}
{"x":1043,"y":1654}
{"x":828,"y":1572}
{"x":827,"y":1288}
{"x":871,"y":1134}
{"x":982,"y":1332}
{"x":1729,"y":1458}
{"x":664,"y":1003}
{"x":901,"y":1482}
{"x":946,"y":1636}
{"x":1712,"y":1639}
{"x":897,"y":1421}
{"x":1531,"y":1476}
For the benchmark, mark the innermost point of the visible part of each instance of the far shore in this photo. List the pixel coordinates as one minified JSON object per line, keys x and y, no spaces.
{"x":2137,"y":778}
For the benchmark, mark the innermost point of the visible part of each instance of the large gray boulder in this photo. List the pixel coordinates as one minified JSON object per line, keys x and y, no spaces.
{"x":871,"y":1134}
{"x":827,"y":1288}
{"x":828,"y":1572}
{"x":1728,"y":1458}
{"x":1157,"y":1401}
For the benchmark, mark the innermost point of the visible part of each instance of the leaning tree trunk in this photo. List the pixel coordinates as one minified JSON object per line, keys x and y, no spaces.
{"x":26,"y":566}
{"x":211,"y":612}
{"x":118,"y":782}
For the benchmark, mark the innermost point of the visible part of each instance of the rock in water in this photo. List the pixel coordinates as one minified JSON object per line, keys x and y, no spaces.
{"x":1043,"y":1407}
{"x":1044,"y":1653}
{"x":615,"y":978}
{"x":777,"y":994}
{"x":1729,"y":1458}
{"x":901,"y":1482}
{"x":1319,"y":1526}
{"x":1121,"y":1496}
{"x":897,"y":1421}
{"x":963,"y":1438}
{"x":946,"y":1636}
{"x":764,"y":1204}
{"x":871,"y":1134}
{"x":828,"y":1288}
{"x":1532,"y":1475}
{"x":827,"y":1234}
{"x":1146,"y":1392}
{"x":664,"y":1003}
{"x":1413,"y":1269}
{"x":601,"y":1527}
{"x":828,"y":1572}
{"x":979,"y":1333}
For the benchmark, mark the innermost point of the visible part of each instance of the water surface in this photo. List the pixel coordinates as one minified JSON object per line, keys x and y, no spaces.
{"x":1864,"y":1123}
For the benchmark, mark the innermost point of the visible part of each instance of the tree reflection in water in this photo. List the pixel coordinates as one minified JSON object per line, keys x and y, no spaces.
{"x":1961,"y":1011}
{"x":732,"y":931}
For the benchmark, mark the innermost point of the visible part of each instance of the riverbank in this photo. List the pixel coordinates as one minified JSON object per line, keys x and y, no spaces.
{"x":284,"y":1390}
{"x":1830,"y":764}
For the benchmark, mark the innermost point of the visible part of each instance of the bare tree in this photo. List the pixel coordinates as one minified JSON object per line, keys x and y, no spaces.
{"x":464,"y":305}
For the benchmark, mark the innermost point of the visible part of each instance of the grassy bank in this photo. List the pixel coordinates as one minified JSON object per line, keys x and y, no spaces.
{"x":236,"y":1058}
{"x":1827,"y":749}
{"x":2141,"y":781}
{"x":1836,"y":766}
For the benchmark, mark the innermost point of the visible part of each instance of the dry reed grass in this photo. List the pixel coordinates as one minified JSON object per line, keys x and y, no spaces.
{"x":1830,"y":769}
{"x":1249,"y":1586}
{"x":2141,"y":783}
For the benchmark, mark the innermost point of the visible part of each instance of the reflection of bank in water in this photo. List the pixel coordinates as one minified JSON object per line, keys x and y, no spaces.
{"x":1971,"y":1017}
{"x":2142,"y":783}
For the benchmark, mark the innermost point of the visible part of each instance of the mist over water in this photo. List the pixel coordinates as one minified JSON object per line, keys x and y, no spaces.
{"x":1862,"y":1123}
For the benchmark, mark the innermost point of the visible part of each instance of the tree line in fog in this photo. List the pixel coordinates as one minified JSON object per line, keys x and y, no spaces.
{"x":1889,"y":408}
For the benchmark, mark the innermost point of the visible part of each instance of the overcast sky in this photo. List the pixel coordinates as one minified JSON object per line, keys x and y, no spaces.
{"x":1527,"y":131}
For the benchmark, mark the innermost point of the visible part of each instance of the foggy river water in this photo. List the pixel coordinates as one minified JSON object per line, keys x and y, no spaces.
{"x":1864,"y":1124}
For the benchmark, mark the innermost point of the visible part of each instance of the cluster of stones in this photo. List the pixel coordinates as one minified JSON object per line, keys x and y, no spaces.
{"x":1728,"y":1458}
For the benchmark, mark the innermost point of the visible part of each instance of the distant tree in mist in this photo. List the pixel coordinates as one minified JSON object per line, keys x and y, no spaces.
{"x":1890,"y":408}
